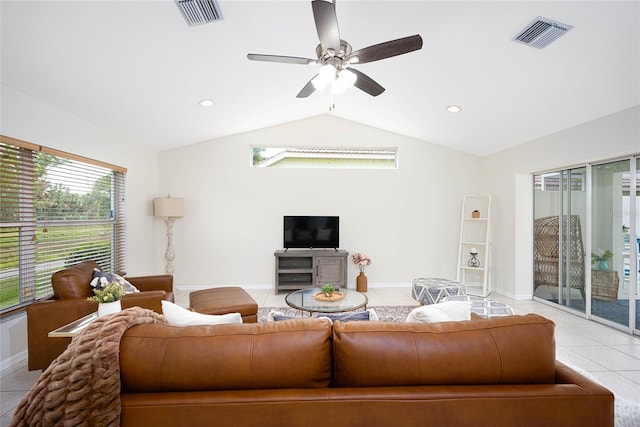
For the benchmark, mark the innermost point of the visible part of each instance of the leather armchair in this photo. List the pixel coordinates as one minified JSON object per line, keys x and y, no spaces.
{"x":70,"y":291}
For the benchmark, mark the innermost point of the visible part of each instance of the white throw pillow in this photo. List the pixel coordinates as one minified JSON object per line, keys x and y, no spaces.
{"x":442,"y":312}
{"x":180,"y":316}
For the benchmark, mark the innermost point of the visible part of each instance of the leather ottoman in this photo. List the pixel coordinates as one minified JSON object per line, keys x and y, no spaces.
{"x":228,"y":299}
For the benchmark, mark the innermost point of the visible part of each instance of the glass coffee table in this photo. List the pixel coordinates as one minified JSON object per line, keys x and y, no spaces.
{"x":305,"y":300}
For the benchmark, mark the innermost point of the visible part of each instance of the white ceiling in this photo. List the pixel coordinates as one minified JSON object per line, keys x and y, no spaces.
{"x":137,"y":69}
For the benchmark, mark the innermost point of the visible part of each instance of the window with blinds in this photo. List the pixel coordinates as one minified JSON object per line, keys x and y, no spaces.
{"x":57,"y":209}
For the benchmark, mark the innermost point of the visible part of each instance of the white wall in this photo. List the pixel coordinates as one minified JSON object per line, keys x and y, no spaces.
{"x":406,"y":220}
{"x":605,"y":138}
{"x":31,"y":120}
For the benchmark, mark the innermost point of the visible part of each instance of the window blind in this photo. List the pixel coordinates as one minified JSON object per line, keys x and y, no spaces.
{"x":57,"y":210}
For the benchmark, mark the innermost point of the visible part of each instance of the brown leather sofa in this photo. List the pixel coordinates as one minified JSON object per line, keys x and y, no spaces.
{"x":71,"y":289}
{"x":305,"y":372}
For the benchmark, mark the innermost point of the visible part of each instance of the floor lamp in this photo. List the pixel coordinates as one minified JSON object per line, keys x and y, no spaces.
{"x":169,"y":208}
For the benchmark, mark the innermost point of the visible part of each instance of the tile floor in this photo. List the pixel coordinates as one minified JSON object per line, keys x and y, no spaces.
{"x":611,"y":356}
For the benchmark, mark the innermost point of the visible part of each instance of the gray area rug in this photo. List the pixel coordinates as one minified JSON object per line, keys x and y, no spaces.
{"x":388,"y":313}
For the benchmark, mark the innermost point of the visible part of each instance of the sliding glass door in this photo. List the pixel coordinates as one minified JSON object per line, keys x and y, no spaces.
{"x":610,"y":227}
{"x":615,"y":285}
{"x":559,"y":249}
{"x":587,"y":240}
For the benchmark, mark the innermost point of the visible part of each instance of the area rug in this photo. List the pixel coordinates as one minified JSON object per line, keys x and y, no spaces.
{"x":387,"y":313}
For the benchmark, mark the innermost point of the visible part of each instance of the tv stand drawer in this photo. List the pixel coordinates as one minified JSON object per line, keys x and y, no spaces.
{"x":285,"y":263}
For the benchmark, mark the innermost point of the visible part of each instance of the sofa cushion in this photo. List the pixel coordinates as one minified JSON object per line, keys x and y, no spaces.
{"x":73,"y":282}
{"x":441,"y":312}
{"x":503,"y":350}
{"x":180,"y":316}
{"x":274,"y":355}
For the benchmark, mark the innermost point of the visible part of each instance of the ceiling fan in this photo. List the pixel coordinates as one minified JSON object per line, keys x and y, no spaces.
{"x":336,"y":55}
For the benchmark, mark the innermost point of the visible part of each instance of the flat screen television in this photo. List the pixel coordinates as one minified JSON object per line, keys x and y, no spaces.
{"x":311,"y":232}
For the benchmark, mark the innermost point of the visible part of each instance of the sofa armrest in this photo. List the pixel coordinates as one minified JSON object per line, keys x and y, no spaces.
{"x":163,"y":282}
{"x":567,"y":375}
{"x":45,"y":316}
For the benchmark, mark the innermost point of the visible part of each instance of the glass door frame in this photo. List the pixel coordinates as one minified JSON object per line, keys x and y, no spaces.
{"x":634,"y":230}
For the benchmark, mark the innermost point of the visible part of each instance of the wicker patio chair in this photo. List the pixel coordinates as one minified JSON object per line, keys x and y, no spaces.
{"x":546,"y":244}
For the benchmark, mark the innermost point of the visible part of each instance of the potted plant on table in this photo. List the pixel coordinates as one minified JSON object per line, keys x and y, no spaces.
{"x":328,"y":290}
{"x":107,"y":295}
{"x":601,"y":257}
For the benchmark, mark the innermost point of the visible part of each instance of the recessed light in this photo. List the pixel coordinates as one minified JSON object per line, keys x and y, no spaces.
{"x":454,"y":109}
{"x":206,"y":103}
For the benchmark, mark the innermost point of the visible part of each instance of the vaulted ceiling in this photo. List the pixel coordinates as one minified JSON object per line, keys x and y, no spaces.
{"x":137,"y":69}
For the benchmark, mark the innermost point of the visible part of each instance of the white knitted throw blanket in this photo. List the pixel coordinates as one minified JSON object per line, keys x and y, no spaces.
{"x":82,"y":386}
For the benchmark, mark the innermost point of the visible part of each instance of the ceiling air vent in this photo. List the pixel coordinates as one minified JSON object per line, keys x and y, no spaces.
{"x":197,"y":12}
{"x":541,"y":32}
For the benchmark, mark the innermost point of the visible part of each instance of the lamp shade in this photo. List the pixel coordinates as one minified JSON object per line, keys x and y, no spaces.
{"x":168,"y":207}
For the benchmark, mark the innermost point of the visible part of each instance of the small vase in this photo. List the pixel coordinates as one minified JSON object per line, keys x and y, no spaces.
{"x":109,"y":308}
{"x":361,"y":282}
{"x":604,"y":266}
{"x":475,"y":214}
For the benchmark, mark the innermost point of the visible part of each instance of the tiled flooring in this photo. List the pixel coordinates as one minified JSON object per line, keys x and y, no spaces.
{"x":611,"y":356}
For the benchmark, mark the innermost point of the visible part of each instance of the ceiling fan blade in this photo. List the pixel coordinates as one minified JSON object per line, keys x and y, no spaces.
{"x":388,"y":49}
{"x":279,"y":58}
{"x":366,"y":83}
{"x":308,"y":89}
{"x":324,"y":13}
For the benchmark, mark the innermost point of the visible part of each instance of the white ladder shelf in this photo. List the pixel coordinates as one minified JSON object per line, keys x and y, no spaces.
{"x":475,"y":237}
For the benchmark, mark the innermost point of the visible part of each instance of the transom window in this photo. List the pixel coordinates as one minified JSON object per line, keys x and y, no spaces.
{"x":346,"y":158}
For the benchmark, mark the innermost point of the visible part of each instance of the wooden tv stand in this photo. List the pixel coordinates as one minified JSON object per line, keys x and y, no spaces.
{"x":310,"y":268}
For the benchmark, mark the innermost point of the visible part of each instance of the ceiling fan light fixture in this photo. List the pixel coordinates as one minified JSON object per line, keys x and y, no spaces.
{"x":325,"y":76}
{"x":343,"y":81}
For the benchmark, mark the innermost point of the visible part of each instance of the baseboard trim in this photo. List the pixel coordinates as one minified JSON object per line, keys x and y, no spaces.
{"x":270,"y":286}
{"x":517,"y":297}
{"x":13,"y":360}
